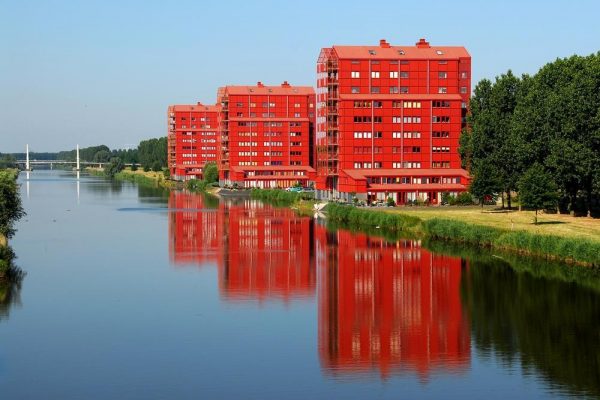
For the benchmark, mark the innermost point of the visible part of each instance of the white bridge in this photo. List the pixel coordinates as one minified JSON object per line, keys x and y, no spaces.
{"x":28,"y":163}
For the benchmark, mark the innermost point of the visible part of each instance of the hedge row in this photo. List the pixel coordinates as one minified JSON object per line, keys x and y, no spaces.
{"x":572,"y":249}
{"x":360,"y":217}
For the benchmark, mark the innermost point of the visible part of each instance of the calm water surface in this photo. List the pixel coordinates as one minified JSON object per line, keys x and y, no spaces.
{"x":137,"y":293}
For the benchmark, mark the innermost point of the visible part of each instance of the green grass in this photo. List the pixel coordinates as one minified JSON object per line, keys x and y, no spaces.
{"x":279,"y":197}
{"x":572,"y":249}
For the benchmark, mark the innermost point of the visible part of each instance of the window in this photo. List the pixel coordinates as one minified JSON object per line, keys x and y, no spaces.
{"x":357,"y":165}
{"x":463,"y":89}
{"x":296,"y":115}
{"x":403,"y":89}
{"x":374,"y":74}
{"x":440,"y":134}
{"x":378,"y":135}
{"x":355,"y":74}
{"x":412,"y":135}
{"x":372,"y":52}
{"x":377,"y":119}
{"x":377,"y":165}
{"x":355,"y":89}
{"x":440,"y":164}
{"x":443,"y":119}
{"x":464,"y":75}
{"x":393,"y":74}
{"x":442,"y":89}
{"x":412,"y":120}
{"x":296,"y":105}
{"x":404,"y":74}
{"x":375,"y":89}
{"x":441,"y":104}
{"x":412,"y":104}
{"x":442,"y":75}
{"x":394,"y":89}
{"x":396,"y":120}
{"x":377,"y":104}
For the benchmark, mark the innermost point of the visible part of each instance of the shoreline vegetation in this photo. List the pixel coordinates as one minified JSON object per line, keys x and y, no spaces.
{"x":11,"y":210}
{"x":578,"y":249}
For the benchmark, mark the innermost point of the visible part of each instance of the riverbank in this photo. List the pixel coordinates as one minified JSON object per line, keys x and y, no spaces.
{"x":302,"y":202}
{"x":140,"y":176}
{"x":456,"y":228}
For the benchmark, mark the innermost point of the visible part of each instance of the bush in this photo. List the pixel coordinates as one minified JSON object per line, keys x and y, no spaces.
{"x":390,"y":202}
{"x":146,"y":168}
{"x":156,"y":167}
{"x":196,"y":185}
{"x":134,"y":167}
{"x":464,"y":199}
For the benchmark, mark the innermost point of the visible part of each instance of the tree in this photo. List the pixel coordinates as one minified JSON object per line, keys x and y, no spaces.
{"x":210,"y":172}
{"x":156,"y":167}
{"x":11,"y":209}
{"x":485,"y":183}
{"x":102,"y":156}
{"x":537,"y":189}
{"x":113,"y":167}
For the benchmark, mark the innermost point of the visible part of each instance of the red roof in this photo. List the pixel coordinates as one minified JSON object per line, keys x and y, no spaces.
{"x":260,"y":89}
{"x":396,"y":187}
{"x":194,"y":107}
{"x":398,"y":96}
{"x":384,"y":51}
{"x":359,"y":174}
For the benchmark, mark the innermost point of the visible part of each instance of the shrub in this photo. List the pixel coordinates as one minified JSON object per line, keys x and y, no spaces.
{"x":156,"y":167}
{"x":134,"y":167}
{"x":146,"y":168}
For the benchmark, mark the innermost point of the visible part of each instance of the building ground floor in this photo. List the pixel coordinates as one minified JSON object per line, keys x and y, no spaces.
{"x":404,"y":186}
{"x":267,"y":177}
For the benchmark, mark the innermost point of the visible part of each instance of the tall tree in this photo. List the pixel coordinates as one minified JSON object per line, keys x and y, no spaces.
{"x":537,"y":189}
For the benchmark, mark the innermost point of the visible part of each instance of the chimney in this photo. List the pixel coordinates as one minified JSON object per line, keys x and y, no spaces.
{"x":285,"y":84}
{"x":423,"y":44}
{"x":384,"y":44}
{"x":260,"y":84}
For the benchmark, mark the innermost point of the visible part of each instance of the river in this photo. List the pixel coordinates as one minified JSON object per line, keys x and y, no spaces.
{"x":138,"y":293}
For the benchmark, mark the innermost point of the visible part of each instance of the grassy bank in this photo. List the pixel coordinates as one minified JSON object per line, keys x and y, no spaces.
{"x":148,"y":178}
{"x":580,"y":250}
{"x":280,"y":197}
{"x":301,"y":202}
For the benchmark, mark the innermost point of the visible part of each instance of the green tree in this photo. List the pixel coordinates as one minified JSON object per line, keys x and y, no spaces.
{"x":537,"y":189}
{"x":102,"y":156}
{"x":113,"y":167}
{"x":11,"y":209}
{"x":210,"y":172}
{"x":485,"y":182}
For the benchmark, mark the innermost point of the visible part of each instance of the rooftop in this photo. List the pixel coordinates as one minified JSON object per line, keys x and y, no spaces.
{"x":194,"y":107}
{"x":421,"y":50}
{"x":260,"y":89}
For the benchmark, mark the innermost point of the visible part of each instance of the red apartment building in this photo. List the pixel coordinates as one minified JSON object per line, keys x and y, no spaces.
{"x":266,"y":135}
{"x":193,"y":132}
{"x":389,"y":120}
{"x":389,"y":307}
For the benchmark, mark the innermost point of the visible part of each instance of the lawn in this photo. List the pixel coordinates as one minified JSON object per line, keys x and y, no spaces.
{"x":548,"y":224}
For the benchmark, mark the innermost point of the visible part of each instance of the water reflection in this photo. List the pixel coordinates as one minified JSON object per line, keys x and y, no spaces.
{"x":261,"y":252}
{"x":10,"y":283}
{"x":388,"y":307}
{"x":548,"y":327}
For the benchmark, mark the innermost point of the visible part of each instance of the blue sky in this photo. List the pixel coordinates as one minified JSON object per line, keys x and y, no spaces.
{"x":103,"y":72}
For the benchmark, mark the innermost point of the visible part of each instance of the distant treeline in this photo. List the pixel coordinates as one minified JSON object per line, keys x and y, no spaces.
{"x":149,"y":153}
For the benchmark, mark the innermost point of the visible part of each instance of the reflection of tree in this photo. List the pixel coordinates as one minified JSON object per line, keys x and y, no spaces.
{"x":550,"y":325}
{"x":10,"y":284}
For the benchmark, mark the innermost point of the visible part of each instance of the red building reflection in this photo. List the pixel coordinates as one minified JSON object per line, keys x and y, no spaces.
{"x":388,"y":307}
{"x":269,"y":253}
{"x":261,"y":251}
{"x":195,"y":229}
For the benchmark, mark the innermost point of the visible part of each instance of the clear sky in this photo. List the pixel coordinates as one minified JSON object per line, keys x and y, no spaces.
{"x":104,"y":72}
